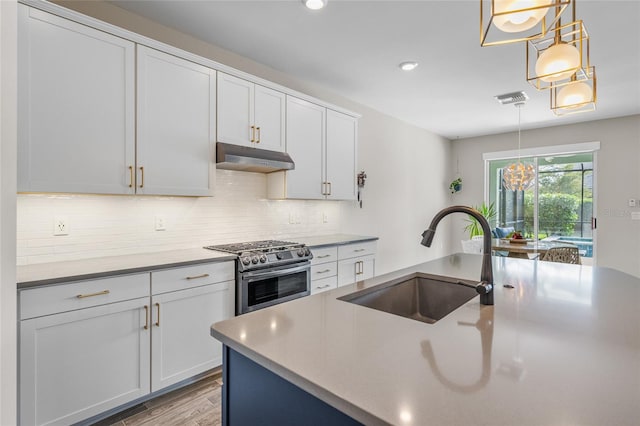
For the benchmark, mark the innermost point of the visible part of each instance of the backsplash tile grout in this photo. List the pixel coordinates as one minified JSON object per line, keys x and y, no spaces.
{"x":120,"y":225}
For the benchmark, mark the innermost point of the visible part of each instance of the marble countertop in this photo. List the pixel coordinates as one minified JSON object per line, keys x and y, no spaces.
{"x":561,"y":347}
{"x":333,"y":240}
{"x":75,"y":270}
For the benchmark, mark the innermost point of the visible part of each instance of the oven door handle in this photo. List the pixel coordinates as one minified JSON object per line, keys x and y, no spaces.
{"x":252,"y":275}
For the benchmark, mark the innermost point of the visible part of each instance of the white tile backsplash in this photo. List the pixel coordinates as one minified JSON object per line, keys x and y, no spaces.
{"x":121,"y":225}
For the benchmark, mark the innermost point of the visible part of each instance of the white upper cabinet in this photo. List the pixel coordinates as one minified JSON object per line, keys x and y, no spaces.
{"x":250,"y":114}
{"x":323,"y":145}
{"x":305,"y":145}
{"x":75,"y":107}
{"x":341,"y":156}
{"x":176,"y":125}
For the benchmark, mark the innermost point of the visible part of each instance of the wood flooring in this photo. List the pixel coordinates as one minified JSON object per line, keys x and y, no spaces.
{"x":197,"y":404}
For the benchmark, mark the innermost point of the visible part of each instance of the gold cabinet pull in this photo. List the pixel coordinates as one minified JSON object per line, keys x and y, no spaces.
{"x":323,"y":272}
{"x":329,"y":183}
{"x":130,"y":176}
{"x":100,"y":293}
{"x":146,"y":317}
{"x":323,"y":286}
{"x":324,"y":188}
{"x":195,"y":277}
{"x":253,"y":134}
{"x":359,"y":267}
{"x":258,"y":132}
{"x":141,"y":177}
{"x":358,"y":250}
{"x":158,"y":321}
{"x":323,"y":256}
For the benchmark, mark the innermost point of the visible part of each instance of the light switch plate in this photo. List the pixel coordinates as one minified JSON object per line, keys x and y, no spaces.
{"x":632,"y":202}
{"x":635,"y":215}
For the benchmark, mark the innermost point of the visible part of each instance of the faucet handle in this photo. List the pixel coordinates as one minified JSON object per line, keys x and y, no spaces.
{"x":484,"y":287}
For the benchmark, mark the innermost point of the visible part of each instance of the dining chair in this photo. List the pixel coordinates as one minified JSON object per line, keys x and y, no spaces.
{"x":563,"y":255}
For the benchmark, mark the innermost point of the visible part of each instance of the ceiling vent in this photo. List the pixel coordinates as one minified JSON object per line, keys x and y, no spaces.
{"x":511,"y":98}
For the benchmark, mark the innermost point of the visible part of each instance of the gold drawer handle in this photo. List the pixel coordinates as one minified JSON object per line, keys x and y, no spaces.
{"x":100,"y":293}
{"x":258,"y":132}
{"x":323,"y":256}
{"x":253,"y":134}
{"x":358,"y":250}
{"x":323,"y":272}
{"x":141,"y":177}
{"x":130,"y":176}
{"x":195,"y":277}
{"x":323,"y":286}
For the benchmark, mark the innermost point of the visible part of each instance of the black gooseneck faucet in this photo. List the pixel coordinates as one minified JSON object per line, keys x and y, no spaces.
{"x":485,"y":287}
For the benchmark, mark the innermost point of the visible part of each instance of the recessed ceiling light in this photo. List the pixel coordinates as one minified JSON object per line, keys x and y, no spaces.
{"x":408,"y":66}
{"x":315,"y":4}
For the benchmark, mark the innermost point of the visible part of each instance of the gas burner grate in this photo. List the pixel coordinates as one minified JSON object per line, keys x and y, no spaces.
{"x":254,"y":246}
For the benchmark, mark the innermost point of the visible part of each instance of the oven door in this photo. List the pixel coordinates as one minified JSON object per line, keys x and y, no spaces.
{"x":266,"y":287}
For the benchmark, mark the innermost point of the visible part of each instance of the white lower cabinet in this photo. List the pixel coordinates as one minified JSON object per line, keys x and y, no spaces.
{"x":90,"y":346}
{"x":324,"y":269}
{"x":356,"y":262}
{"x":181,"y":346}
{"x":77,"y":364}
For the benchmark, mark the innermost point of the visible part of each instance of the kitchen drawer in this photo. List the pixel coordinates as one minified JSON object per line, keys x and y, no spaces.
{"x":191,"y":276}
{"x":324,"y":254}
{"x":324,"y":270}
{"x":356,"y":250}
{"x":324,"y":284}
{"x":82,"y":294}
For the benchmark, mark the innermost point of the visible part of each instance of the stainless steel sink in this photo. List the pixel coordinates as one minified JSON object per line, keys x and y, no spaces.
{"x":422,"y":297}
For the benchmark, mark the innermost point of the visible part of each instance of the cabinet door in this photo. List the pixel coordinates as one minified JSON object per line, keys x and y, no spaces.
{"x":182,"y":345}
{"x":75,"y":107}
{"x":341,"y":156}
{"x":77,"y":364}
{"x":305,"y":142}
{"x":176,"y":125}
{"x":269,"y":109}
{"x":235,"y":110}
{"x":356,"y":269}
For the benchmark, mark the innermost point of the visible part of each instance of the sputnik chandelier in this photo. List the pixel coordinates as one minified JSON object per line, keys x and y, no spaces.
{"x":557,"y":54}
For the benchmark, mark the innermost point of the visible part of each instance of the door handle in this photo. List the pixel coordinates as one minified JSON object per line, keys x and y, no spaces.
{"x":158,"y":321}
{"x":130,"y":176}
{"x":258,"y":132}
{"x":253,"y":134}
{"x":141,"y":177}
{"x":100,"y":293}
{"x":146,"y":317}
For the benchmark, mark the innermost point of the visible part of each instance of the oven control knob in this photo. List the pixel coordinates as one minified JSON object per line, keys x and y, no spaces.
{"x":307,"y":252}
{"x":254,"y":259}
{"x":263,"y":258}
{"x":245,"y":260}
{"x":278,"y":255}
{"x":300,"y":252}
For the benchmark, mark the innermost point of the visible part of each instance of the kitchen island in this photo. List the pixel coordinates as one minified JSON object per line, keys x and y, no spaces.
{"x":560,"y":347}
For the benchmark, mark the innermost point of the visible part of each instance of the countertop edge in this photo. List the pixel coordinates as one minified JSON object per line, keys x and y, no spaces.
{"x":23,"y":285}
{"x":308,"y":386}
{"x":356,"y":239}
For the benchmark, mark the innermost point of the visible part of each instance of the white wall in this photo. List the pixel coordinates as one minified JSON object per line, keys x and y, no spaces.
{"x":8,"y":79}
{"x":618,"y":179}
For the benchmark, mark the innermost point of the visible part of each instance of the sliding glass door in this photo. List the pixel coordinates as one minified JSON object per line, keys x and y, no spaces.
{"x":558,"y":207}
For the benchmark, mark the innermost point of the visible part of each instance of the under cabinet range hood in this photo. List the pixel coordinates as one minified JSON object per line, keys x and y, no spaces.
{"x":248,"y":159}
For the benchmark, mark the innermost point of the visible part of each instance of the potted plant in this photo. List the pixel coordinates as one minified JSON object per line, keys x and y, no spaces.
{"x":474,"y":228}
{"x":456,"y":185}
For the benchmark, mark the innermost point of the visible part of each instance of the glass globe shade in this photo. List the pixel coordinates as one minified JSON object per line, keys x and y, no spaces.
{"x":558,"y":62}
{"x":574,"y":94}
{"x":518,"y":21}
{"x":518,"y":176}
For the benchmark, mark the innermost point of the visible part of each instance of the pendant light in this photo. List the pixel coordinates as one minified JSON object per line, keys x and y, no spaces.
{"x":315,"y":4}
{"x":518,"y":176}
{"x":511,"y":21}
{"x":555,"y":59}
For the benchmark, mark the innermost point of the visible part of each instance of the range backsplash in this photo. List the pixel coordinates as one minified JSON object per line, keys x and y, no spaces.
{"x":119,"y":225}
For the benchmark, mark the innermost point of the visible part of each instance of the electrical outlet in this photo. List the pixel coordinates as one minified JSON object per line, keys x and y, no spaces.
{"x":292,"y":218}
{"x":60,"y":225}
{"x":632,"y":202}
{"x":325,"y":218}
{"x":160,"y":223}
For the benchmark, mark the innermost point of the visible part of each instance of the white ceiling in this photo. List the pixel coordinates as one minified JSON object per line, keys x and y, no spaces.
{"x":353,"y":47}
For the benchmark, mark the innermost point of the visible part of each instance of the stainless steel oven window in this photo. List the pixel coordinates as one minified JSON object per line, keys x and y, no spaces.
{"x":262,"y":288}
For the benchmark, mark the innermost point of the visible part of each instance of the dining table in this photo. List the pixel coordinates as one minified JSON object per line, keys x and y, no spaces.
{"x":524,"y":249}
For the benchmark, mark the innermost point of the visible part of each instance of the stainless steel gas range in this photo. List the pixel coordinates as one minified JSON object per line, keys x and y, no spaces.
{"x":269,"y":272}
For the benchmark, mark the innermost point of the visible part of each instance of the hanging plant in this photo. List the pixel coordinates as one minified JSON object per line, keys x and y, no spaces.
{"x":456,"y":186}
{"x":473,"y":227}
